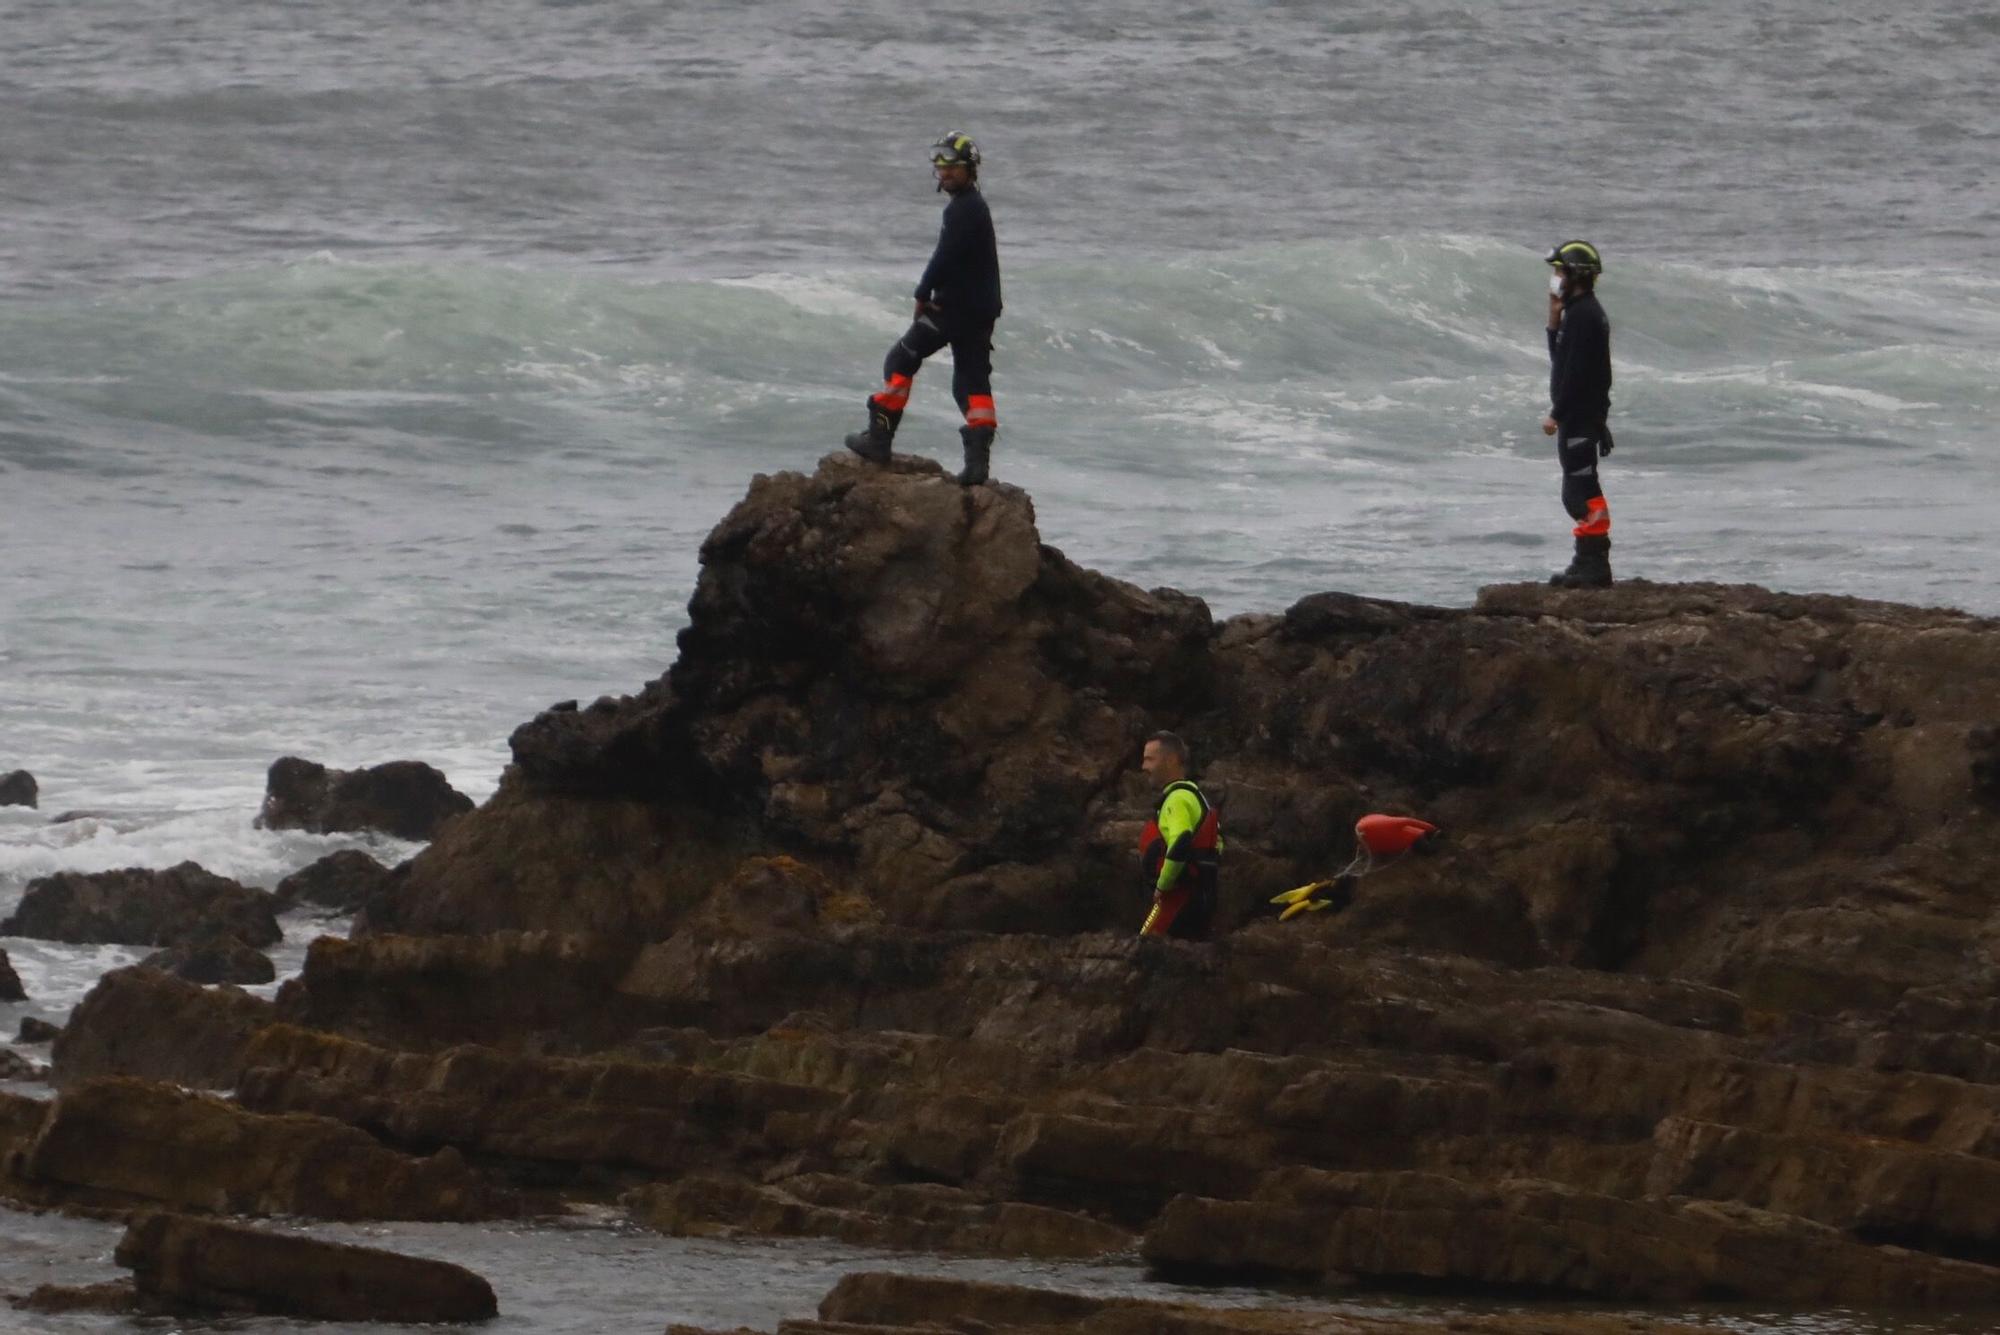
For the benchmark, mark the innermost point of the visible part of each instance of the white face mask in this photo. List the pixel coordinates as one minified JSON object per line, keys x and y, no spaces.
{"x":1556,"y":284}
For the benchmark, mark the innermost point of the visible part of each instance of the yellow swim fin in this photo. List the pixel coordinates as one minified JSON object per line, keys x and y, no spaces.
{"x":1305,"y":906}
{"x":1301,"y":894}
{"x":1337,"y":893}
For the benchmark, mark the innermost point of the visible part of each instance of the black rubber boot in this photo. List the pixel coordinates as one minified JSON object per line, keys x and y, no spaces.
{"x":872,"y":444}
{"x":1590,"y":568}
{"x":978,"y":454}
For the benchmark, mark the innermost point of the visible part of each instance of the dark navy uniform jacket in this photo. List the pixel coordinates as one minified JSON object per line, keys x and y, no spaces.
{"x":1580,"y":365}
{"x":963,"y":277}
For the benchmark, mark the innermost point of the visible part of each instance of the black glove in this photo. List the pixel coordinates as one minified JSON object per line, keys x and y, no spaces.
{"x":1604,"y":443}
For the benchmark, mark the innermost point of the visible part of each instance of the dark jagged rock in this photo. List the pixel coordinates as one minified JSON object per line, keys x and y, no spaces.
{"x":830,"y":930}
{"x":203,"y":1266}
{"x":339,"y":882}
{"x":404,"y":798}
{"x":19,"y":789}
{"x":10,"y":982}
{"x":142,"y":1022}
{"x":885,"y":674}
{"x":138,"y":907}
{"x":35,"y":1030}
{"x":213,"y":959}
{"x":899,"y":685}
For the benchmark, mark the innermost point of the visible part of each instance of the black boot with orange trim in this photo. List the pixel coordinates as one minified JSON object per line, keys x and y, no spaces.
{"x":1590,"y":568}
{"x":872,"y":443}
{"x":978,"y":454}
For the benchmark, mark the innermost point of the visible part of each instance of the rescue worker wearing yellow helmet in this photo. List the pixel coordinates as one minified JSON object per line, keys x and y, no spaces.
{"x":1579,"y":404}
{"x":1181,"y":849}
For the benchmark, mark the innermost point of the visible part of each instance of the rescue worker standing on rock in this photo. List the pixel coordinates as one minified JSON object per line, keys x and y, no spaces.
{"x":958,"y":299}
{"x":1181,"y":850}
{"x":1579,"y":404}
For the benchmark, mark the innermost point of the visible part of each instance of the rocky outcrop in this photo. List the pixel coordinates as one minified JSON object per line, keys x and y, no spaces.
{"x":19,"y":789}
{"x":897,"y":684}
{"x":10,"y":982}
{"x":136,"y":907}
{"x":404,"y":798}
{"x":885,"y":676}
{"x":203,"y":1266}
{"x":213,"y":959}
{"x":119,"y":1142}
{"x":830,"y":929}
{"x":339,"y":883}
{"x":141,"y":1022}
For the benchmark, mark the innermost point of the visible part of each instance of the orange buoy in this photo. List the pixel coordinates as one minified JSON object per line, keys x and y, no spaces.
{"x":1386,"y":836}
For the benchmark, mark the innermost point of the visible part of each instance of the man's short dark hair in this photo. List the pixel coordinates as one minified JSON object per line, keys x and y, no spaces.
{"x":1171,"y":741}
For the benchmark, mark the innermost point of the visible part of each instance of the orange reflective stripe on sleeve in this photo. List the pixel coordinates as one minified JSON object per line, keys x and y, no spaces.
{"x":1596,"y":522}
{"x":979,"y":410}
{"x":895,"y":392}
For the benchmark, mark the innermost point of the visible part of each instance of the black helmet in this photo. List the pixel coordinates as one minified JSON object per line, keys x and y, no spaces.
{"x":1577,"y":257}
{"x":955,"y":150}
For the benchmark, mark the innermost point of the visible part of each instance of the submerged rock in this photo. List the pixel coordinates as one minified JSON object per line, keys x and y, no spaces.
{"x":13,"y":1066}
{"x":19,"y":789}
{"x":139,"y":907}
{"x":114,"y":1296}
{"x":203,"y":1266}
{"x":404,"y":798}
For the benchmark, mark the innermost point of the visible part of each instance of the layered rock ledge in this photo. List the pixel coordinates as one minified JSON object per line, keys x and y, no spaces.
{"x":829,"y":931}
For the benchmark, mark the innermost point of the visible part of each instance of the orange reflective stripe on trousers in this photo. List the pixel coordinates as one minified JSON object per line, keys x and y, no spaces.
{"x":895,"y":392}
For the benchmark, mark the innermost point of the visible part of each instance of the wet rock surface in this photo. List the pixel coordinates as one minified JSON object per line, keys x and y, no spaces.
{"x":340,"y":882}
{"x":33,"y":1030}
{"x":19,"y":789}
{"x":138,"y":907}
{"x":882,"y":1303}
{"x":202,"y":1266}
{"x":142,"y":1022}
{"x":116,"y":1296}
{"x":829,"y":932}
{"x":13,"y":1066}
{"x":404,"y":798}
{"x":10,"y":982}
{"x":213,"y":959}
{"x":119,"y":1142}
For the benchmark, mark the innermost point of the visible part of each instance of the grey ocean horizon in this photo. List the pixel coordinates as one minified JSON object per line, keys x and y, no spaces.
{"x":370,"y":376}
